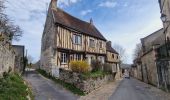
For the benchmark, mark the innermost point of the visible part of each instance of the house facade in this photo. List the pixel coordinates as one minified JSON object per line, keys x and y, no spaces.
{"x":66,"y":38}
{"x":152,"y":66}
{"x":164,"y":50}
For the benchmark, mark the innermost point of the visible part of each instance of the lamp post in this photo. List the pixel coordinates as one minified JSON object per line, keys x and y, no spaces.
{"x":164,"y":20}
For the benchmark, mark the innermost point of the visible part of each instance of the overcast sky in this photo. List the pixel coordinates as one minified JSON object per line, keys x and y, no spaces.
{"x":123,"y":22}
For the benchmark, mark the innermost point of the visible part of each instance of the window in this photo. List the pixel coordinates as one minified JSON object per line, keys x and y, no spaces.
{"x":77,"y":39}
{"x":100,"y":44}
{"x":77,"y":57}
{"x":63,"y":58}
{"x":113,"y":55}
{"x":91,"y":43}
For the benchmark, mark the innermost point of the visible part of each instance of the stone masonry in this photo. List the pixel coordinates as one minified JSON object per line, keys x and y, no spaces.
{"x":86,"y":85}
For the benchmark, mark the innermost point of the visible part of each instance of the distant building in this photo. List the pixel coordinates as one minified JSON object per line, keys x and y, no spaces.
{"x":19,"y":58}
{"x":113,"y":58}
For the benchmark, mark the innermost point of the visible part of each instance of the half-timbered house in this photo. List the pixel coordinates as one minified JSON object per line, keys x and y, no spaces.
{"x":66,"y":38}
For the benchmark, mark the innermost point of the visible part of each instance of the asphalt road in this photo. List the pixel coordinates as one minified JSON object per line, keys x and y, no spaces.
{"x":132,"y":89}
{"x":45,"y":89}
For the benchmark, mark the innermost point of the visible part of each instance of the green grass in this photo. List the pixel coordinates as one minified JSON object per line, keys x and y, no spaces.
{"x":12,"y":87}
{"x":68,"y":86}
{"x":95,"y":74}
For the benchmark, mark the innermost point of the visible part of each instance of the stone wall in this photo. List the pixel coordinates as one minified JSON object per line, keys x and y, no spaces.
{"x":86,"y":85}
{"x":7,"y":58}
{"x":149,"y":68}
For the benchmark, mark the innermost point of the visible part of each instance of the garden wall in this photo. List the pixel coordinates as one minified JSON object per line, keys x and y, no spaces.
{"x":85,"y":84}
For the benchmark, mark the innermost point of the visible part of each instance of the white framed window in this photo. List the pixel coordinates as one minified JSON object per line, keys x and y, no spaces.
{"x":63,"y":58}
{"x":77,"y":39}
{"x":91,"y":43}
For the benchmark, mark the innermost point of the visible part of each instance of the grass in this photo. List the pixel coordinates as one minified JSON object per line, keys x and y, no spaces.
{"x":66,"y":85}
{"x":12,"y":87}
{"x":95,"y":74}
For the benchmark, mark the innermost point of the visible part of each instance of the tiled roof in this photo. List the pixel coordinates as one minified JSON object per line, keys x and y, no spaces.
{"x":110,"y":49}
{"x":67,"y":20}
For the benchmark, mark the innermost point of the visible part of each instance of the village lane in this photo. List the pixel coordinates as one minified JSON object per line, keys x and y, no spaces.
{"x":45,"y":89}
{"x":132,"y":89}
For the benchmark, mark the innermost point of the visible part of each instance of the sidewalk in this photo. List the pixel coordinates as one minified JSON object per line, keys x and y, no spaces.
{"x":102,"y":93}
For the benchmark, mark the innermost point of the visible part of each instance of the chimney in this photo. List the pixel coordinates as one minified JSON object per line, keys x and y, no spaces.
{"x":109,"y":43}
{"x":91,"y":21}
{"x":53,"y":4}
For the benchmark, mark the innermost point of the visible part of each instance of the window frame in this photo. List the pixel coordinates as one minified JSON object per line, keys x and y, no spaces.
{"x":77,"y":39}
{"x":64,"y":58}
{"x":77,"y":57}
{"x":91,"y":44}
{"x":100,"y":44}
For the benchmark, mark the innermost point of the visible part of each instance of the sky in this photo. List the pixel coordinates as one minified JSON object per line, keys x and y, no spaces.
{"x":123,"y":22}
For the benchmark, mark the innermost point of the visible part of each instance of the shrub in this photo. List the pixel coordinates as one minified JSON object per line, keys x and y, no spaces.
{"x":96,"y":65}
{"x":79,"y":66}
{"x":107,"y":68}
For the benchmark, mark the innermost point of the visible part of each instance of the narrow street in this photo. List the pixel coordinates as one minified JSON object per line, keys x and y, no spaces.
{"x":45,"y":89}
{"x":132,"y":89}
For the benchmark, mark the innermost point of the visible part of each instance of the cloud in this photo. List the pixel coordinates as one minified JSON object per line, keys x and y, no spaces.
{"x":85,"y":12}
{"x":66,"y":3}
{"x":108,"y":4}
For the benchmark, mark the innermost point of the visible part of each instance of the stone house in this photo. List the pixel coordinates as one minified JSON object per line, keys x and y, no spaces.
{"x":149,"y":63}
{"x":136,"y":69}
{"x":152,"y":66}
{"x":164,"y":50}
{"x":165,"y":14}
{"x":66,"y":38}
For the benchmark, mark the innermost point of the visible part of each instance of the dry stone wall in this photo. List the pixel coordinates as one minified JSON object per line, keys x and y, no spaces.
{"x":7,"y":58}
{"x":86,"y":85}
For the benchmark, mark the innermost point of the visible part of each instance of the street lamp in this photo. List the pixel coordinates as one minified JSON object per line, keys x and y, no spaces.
{"x":163,"y":18}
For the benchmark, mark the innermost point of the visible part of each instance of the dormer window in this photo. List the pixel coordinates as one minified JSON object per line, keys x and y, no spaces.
{"x":77,"y":39}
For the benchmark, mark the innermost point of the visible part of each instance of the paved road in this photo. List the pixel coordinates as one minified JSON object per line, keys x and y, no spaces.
{"x":45,"y":89}
{"x":132,"y":89}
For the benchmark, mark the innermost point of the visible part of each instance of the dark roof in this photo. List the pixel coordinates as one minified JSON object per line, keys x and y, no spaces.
{"x":110,"y":49}
{"x":67,"y":20}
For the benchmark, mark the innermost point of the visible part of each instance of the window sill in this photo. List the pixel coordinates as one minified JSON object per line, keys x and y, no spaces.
{"x":63,"y":63}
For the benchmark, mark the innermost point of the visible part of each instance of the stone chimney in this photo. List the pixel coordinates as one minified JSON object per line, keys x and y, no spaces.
{"x":53,"y":4}
{"x":91,"y":21}
{"x":109,"y":43}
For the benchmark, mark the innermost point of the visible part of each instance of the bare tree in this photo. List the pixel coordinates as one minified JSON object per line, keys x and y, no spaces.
{"x":7,"y":26}
{"x":137,"y":51}
{"x":121,"y":52}
{"x":30,"y":59}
